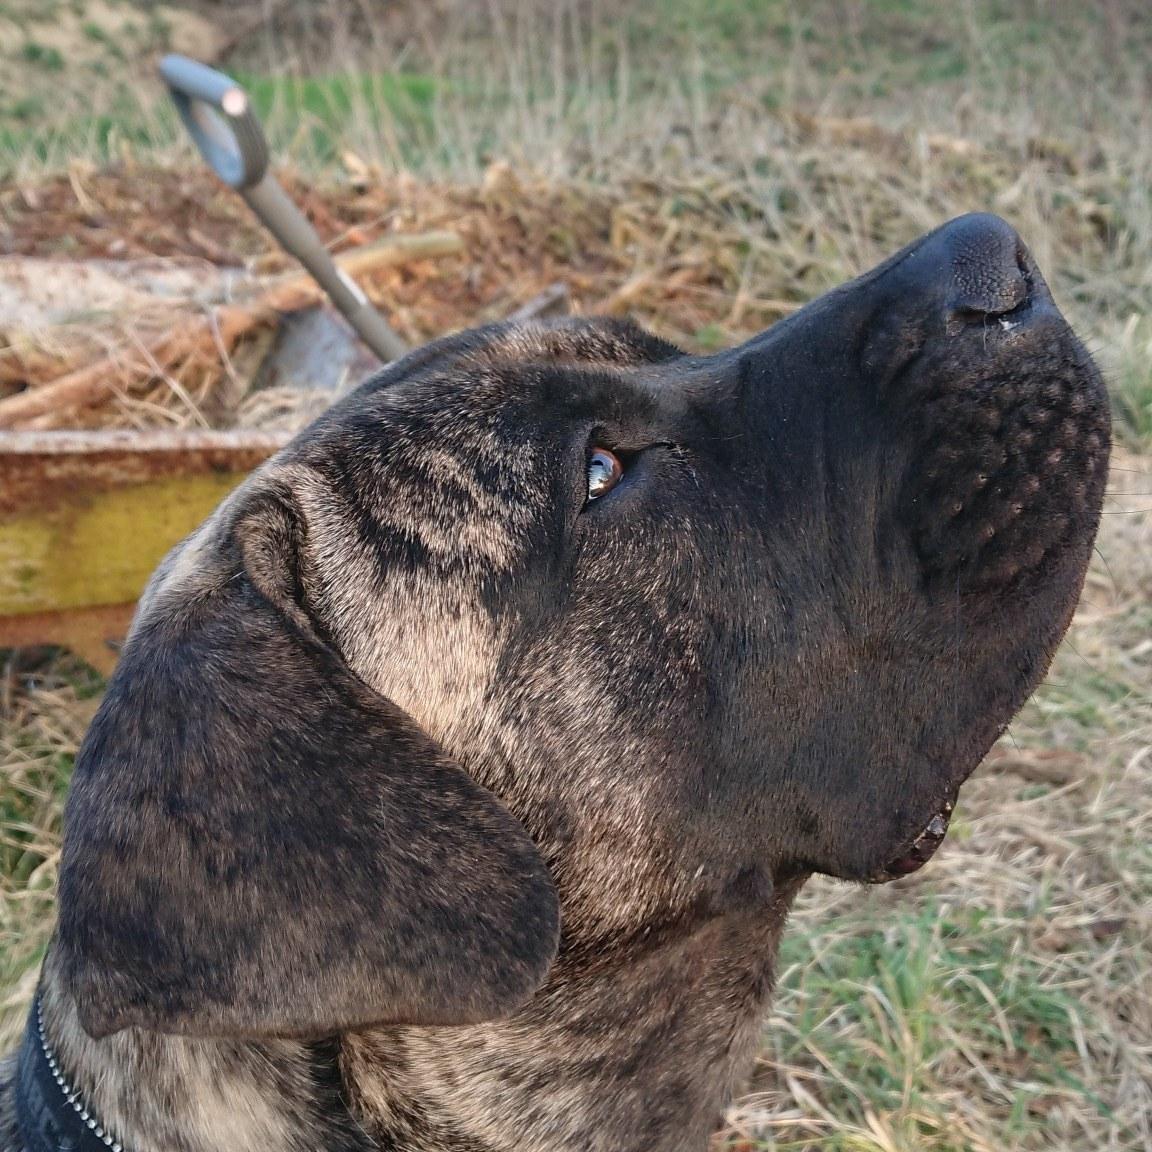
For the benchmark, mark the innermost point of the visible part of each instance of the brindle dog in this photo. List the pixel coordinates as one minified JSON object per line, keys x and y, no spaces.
{"x":459,"y":772}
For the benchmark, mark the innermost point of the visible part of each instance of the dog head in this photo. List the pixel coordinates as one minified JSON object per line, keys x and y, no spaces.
{"x":557,"y":618}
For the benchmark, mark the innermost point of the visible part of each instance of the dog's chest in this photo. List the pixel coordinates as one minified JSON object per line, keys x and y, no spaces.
{"x":639,"y":1062}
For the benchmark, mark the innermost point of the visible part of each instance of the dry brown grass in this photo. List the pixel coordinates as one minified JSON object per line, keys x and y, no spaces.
{"x":46,"y":701}
{"x":706,"y":259}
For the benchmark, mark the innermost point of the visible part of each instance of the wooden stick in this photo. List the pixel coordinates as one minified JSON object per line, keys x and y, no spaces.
{"x":91,"y":385}
{"x":299,"y":290}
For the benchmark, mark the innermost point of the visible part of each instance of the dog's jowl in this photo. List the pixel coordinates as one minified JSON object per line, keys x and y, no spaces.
{"x":458,"y":774}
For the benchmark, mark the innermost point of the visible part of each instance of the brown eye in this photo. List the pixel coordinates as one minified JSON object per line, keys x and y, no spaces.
{"x":604,"y":472}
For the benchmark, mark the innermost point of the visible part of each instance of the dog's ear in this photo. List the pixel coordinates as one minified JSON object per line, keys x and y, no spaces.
{"x":257,"y":844}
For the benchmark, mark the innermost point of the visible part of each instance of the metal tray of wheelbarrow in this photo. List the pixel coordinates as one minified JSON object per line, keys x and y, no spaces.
{"x":85,"y":517}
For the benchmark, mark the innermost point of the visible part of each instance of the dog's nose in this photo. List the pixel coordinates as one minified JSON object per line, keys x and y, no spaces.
{"x":980,"y":267}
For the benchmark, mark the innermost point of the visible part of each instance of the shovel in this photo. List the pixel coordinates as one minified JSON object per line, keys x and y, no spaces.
{"x":218,"y":114}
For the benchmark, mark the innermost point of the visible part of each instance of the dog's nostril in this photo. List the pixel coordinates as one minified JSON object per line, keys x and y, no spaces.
{"x":988,"y":265}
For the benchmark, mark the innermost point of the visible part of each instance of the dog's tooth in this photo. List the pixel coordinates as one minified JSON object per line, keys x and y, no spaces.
{"x":937,"y":826}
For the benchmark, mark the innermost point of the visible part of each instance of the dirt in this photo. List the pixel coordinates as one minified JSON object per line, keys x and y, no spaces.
{"x":132,"y":214}
{"x":612,"y":249}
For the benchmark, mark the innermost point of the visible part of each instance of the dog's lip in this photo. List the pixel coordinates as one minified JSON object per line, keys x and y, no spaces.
{"x":920,"y":850}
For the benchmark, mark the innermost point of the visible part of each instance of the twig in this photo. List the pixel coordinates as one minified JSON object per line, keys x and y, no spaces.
{"x":94,"y":383}
{"x":161,"y":372}
{"x":299,"y":290}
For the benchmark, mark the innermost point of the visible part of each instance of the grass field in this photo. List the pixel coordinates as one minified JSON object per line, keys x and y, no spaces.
{"x":733,"y":159}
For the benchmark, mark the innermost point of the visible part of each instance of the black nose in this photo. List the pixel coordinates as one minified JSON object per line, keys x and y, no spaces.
{"x":980,"y":267}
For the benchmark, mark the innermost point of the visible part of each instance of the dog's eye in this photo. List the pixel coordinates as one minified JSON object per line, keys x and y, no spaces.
{"x":604,"y":472}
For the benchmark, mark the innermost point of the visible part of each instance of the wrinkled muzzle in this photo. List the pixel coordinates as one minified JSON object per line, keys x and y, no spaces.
{"x":948,"y":435}
{"x":1009,"y":425}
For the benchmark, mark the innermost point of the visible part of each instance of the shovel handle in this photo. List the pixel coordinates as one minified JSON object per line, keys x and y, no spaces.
{"x":290,"y":226}
{"x":218,"y":115}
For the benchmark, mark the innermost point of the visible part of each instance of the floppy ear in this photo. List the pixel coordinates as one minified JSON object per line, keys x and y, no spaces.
{"x":257,"y":844}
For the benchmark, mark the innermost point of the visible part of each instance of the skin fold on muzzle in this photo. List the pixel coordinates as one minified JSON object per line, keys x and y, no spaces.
{"x":470,"y":756}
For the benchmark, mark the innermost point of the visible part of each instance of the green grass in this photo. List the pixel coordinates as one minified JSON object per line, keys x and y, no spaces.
{"x":49,"y":59}
{"x":534,"y":58}
{"x":889,"y":1004}
{"x":1129,"y":362}
{"x":309,"y":113}
{"x":306,"y":116}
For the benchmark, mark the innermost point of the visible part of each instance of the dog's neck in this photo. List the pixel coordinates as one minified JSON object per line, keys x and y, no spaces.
{"x":631,"y":1049}
{"x":638,"y":1053}
{"x":157,"y":1093}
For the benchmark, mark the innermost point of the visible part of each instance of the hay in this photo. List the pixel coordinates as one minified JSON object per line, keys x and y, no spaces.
{"x":200,"y":339}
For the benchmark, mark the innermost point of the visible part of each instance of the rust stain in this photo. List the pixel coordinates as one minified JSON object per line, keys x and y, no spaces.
{"x":40,"y":470}
{"x":92,"y":633}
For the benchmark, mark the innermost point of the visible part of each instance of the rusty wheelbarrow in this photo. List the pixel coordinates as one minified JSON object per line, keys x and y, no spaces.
{"x":86,"y":516}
